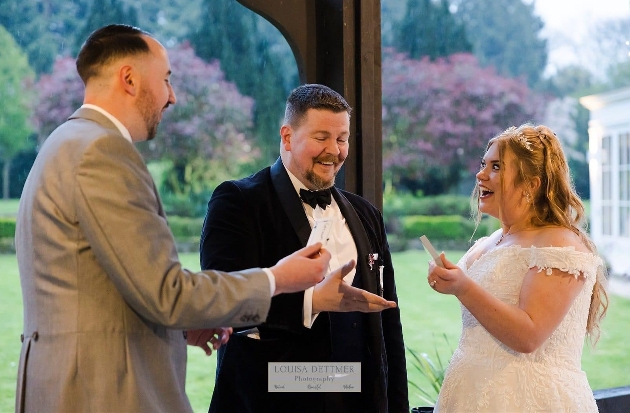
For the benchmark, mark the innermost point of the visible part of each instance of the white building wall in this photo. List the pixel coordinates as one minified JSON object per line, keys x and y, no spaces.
{"x":610,"y":119}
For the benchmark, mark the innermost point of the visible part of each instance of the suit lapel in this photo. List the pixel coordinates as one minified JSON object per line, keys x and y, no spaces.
{"x":290,"y":201}
{"x":361,"y":240}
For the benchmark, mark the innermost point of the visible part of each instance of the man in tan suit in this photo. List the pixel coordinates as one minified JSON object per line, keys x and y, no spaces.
{"x":106,"y":301}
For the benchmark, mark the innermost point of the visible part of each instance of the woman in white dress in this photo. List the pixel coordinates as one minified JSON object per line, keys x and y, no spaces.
{"x":530,"y":292}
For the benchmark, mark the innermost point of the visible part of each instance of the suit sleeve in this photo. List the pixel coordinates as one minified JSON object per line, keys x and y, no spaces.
{"x":240,"y":231}
{"x":397,"y":392}
{"x":228,"y":238}
{"x":119,"y":210}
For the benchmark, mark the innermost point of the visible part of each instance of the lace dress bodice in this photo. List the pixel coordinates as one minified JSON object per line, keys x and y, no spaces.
{"x":486,"y":376}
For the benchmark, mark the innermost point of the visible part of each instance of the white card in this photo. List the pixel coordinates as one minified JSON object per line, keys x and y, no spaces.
{"x":321,"y":231}
{"x":427,"y":246}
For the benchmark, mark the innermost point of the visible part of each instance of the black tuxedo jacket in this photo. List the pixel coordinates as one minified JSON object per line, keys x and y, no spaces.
{"x":256,"y":221}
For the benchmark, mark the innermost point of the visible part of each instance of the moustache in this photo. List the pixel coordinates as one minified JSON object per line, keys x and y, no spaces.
{"x":329,"y":158}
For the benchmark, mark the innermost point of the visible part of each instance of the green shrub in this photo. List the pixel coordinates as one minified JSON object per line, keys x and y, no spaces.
{"x":185,"y":205}
{"x":396,"y":243}
{"x":407,"y":204}
{"x":184,"y":227}
{"x":7,"y":227}
{"x":7,"y":246}
{"x":446,"y":232}
{"x":437,"y":227}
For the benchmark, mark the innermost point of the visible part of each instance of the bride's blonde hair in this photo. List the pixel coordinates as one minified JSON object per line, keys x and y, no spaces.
{"x":539,"y":154}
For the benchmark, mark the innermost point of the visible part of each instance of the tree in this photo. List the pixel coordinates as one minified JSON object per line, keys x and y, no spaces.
{"x":570,"y":119}
{"x":572,"y":80}
{"x":618,"y":75}
{"x":606,"y":55}
{"x":392,"y":12}
{"x":16,"y":81}
{"x":226,"y":33}
{"x":205,"y":137}
{"x":579,"y":165}
{"x":27,"y":25}
{"x":270,"y":97}
{"x":429,"y":29}
{"x":438,"y":117}
{"x":171,"y":21}
{"x":47,"y":30}
{"x":505,"y":34}
{"x":59,"y":94}
{"x":102,"y":13}
{"x":244,"y":43}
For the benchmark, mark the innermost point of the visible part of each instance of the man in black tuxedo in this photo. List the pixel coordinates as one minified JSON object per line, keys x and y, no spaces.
{"x":255,"y":221}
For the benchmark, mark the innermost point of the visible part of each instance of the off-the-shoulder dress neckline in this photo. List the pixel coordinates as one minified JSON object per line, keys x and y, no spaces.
{"x":517,"y":246}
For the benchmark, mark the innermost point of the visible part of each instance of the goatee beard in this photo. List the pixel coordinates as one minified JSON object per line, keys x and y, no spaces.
{"x":318,"y":182}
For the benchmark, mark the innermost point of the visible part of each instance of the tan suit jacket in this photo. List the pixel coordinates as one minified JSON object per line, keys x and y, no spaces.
{"x":105,"y":297}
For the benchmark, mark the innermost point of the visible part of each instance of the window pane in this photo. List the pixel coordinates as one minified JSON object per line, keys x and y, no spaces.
{"x":606,"y":185}
{"x":607,"y":220}
{"x":624,"y":149}
{"x":606,"y":150}
{"x":624,"y":221}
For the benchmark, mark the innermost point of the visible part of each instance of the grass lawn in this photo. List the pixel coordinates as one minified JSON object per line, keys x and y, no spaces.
{"x":426,"y":316}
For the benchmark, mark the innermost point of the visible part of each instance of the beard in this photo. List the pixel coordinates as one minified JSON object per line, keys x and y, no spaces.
{"x":319,"y":182}
{"x":150,"y":116}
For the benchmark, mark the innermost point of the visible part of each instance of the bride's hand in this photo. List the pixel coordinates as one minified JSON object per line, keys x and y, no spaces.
{"x":448,"y":280}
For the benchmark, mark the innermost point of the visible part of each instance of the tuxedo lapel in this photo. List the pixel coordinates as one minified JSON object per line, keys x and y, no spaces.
{"x":290,"y":201}
{"x":361,"y":240}
{"x":294,"y":209}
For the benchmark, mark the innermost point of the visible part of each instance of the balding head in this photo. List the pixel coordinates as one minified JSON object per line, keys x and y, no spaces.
{"x":126,"y":72}
{"x":107,"y":44}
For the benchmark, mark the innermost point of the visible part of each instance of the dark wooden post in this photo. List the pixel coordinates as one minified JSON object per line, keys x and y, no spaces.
{"x":338,"y":43}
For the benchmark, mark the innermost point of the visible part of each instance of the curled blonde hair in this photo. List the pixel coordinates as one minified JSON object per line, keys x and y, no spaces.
{"x":539,"y":154}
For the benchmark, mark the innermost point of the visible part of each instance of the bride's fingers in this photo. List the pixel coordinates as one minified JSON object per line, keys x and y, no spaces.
{"x":447,"y":264}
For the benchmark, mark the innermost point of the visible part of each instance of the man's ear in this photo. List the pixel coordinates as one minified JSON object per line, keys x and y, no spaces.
{"x":285,"y":135}
{"x":128,"y":80}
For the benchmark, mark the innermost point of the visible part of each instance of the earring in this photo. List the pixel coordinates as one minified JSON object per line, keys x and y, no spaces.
{"x":528,"y":198}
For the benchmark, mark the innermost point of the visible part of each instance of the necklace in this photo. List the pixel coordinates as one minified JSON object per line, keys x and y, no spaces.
{"x":509,"y":233}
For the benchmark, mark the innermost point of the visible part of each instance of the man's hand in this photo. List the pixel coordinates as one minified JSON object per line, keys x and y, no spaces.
{"x":201,"y":338}
{"x":334,"y":294}
{"x":301,"y":270}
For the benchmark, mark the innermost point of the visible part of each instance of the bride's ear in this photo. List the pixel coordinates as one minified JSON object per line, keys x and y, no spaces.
{"x":534,"y":185}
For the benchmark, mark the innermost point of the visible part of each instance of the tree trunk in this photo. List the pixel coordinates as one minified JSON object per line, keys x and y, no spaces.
{"x":5,"y":178}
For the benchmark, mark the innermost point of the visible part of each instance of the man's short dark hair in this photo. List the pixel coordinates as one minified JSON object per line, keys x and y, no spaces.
{"x":313,"y":96}
{"x":109,"y":43}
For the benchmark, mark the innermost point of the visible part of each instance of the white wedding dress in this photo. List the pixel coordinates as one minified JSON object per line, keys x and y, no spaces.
{"x":486,"y":376}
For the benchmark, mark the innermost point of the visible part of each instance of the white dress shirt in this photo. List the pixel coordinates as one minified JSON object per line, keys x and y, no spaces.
{"x":340,"y":244}
{"x":123,"y":130}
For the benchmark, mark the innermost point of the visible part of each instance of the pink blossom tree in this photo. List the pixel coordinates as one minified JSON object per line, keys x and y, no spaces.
{"x":438,"y":117}
{"x":205,"y":137}
{"x":59,"y":94}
